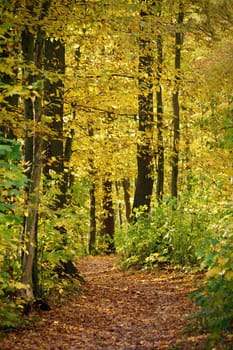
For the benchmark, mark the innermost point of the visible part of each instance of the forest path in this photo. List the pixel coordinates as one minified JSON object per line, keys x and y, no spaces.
{"x":116,"y":310}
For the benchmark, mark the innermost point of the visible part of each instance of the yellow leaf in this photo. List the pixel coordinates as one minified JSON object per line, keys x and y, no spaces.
{"x":222,"y":261}
{"x":18,"y":285}
{"x":214,"y":272}
{"x":229,"y":275}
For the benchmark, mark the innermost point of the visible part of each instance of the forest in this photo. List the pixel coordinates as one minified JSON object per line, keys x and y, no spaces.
{"x":116,"y":137}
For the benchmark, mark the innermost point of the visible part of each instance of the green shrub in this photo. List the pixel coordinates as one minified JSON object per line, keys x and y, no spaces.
{"x":12,"y":182}
{"x":215,"y":297}
{"x":61,"y":235}
{"x":169,"y":234}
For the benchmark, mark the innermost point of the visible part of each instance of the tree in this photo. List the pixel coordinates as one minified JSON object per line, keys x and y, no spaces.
{"x":124,"y":53}
{"x":145,"y":156}
{"x":176,"y":104}
{"x":93,"y":229}
{"x":32,"y":47}
{"x":159,"y":99}
{"x":108,"y":222}
{"x":58,"y":152}
{"x":92,"y":191}
{"x":126,"y":188}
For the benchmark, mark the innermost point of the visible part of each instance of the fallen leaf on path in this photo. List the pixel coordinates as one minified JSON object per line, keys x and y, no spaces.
{"x":117,"y":310}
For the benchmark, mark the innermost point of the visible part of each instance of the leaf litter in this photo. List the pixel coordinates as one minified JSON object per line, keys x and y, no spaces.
{"x":116,"y":310}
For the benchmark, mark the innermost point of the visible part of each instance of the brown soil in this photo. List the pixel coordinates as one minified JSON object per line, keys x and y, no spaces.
{"x":116,"y":310}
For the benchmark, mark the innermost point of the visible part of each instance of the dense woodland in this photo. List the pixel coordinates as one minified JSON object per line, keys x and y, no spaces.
{"x":116,"y":135}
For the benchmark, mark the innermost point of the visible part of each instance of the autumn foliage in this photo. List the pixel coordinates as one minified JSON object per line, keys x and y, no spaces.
{"x":116,"y":137}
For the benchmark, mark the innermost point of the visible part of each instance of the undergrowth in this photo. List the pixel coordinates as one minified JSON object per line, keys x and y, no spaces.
{"x":167,"y":235}
{"x":191,"y":237}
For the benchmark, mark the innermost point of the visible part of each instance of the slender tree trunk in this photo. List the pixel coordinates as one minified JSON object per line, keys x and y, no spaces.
{"x":120,"y":216}
{"x":145,"y":156}
{"x":176,"y":105}
{"x":159,"y":95}
{"x":32,"y":47}
{"x":108,"y":220}
{"x":188,"y":169}
{"x":93,"y":226}
{"x":68,"y":177}
{"x":108,"y":224}
{"x":126,"y":188}
{"x":92,"y":193}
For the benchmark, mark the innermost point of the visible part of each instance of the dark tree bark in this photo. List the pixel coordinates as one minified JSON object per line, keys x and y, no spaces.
{"x":108,"y":224}
{"x":68,"y":176}
{"x":108,"y":220}
{"x":126,"y":188}
{"x":145,"y":156}
{"x":159,"y":96}
{"x":120,"y":216}
{"x":33,"y":50}
{"x":92,"y":193}
{"x":93,"y":226}
{"x":176,"y":104}
{"x":58,"y":147}
{"x":54,"y":91}
{"x":57,"y":153}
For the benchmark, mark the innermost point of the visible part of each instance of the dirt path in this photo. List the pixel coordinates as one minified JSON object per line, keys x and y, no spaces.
{"x":116,"y":311}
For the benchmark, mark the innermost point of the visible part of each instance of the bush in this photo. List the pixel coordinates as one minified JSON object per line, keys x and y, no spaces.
{"x":169,"y":234}
{"x":61,"y":236}
{"x":215,"y":297}
{"x":12,"y":182}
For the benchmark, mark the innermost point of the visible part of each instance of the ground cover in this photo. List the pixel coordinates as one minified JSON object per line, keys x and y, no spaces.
{"x":116,"y":310}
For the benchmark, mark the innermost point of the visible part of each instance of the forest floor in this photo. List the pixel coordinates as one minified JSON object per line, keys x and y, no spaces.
{"x":116,"y":310}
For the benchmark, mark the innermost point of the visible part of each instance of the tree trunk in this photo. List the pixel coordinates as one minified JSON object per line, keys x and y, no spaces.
{"x":54,"y":91}
{"x":56,"y":153}
{"x":126,"y":188}
{"x":108,"y":225}
{"x":68,"y":176}
{"x":176,"y":105}
{"x":93,"y":230}
{"x":92,"y":193}
{"x":160,"y":160}
{"x":120,"y":218}
{"x":32,"y":47}
{"x":145,"y":156}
